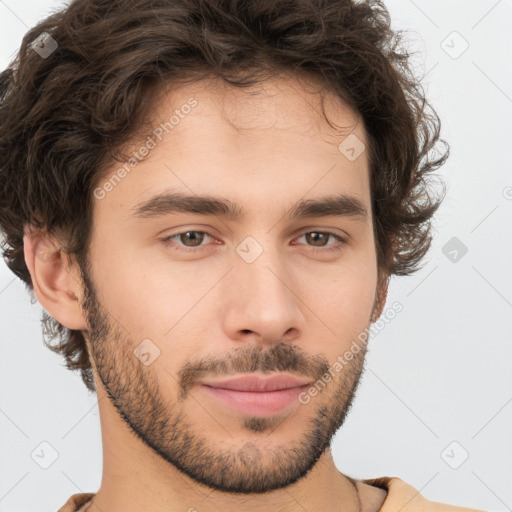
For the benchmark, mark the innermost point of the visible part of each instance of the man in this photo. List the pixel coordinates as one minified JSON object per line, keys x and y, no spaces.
{"x":209,"y":198}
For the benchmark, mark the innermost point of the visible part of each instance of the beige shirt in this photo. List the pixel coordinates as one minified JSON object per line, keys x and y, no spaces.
{"x":401,"y":497}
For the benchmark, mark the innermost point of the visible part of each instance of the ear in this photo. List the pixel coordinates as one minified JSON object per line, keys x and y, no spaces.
{"x":56,"y":283}
{"x":380,"y":297}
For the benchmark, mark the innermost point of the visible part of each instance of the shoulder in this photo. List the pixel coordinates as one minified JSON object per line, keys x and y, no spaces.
{"x":76,"y":501}
{"x":399,"y":495}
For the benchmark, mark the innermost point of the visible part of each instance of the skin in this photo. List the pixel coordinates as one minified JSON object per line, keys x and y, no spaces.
{"x":168,"y":445}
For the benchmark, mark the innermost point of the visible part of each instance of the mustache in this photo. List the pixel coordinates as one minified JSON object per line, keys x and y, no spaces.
{"x":281,"y":357}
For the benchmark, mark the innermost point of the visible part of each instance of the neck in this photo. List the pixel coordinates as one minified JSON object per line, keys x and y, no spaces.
{"x":160,"y":489}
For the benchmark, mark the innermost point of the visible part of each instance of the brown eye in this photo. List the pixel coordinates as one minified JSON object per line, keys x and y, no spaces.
{"x":187,"y":239}
{"x":191,"y":236}
{"x":319,"y":239}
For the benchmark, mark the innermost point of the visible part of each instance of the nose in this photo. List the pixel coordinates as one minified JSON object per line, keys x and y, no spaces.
{"x":264,"y":302}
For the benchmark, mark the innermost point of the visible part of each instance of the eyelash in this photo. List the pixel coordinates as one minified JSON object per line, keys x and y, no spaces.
{"x":334,"y":248}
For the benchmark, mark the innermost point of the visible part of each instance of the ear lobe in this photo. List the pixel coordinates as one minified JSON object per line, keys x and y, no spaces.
{"x":56,"y":286}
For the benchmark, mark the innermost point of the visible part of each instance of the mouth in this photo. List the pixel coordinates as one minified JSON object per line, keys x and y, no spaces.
{"x":257,"y":396}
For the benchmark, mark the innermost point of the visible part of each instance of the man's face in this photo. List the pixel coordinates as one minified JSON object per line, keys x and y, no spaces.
{"x":265,"y":293}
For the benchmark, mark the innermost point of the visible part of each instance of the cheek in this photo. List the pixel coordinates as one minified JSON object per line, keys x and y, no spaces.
{"x":148,"y":305}
{"x":345,"y":308}
{"x":341,"y":301}
{"x":166,"y":306}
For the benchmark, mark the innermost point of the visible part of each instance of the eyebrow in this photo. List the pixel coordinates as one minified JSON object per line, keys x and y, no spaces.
{"x":341,"y":205}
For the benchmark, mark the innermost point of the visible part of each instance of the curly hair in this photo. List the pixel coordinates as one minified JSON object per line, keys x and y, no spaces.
{"x":65,"y":116}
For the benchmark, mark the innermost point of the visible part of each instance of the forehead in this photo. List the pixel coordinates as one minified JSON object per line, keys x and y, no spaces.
{"x":271,"y":140}
{"x":284,"y":102}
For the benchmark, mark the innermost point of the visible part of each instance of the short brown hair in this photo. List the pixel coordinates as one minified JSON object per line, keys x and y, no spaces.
{"x":64,"y":118}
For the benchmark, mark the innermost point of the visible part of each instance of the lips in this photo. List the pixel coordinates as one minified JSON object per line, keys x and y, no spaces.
{"x":255,"y":383}
{"x":252,"y":395}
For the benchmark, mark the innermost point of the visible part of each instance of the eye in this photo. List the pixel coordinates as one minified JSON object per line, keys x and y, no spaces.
{"x":321,"y":237}
{"x":191,"y":241}
{"x":194,"y":237}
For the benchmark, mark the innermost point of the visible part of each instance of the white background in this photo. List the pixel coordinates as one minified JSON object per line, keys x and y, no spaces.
{"x":441,"y":371}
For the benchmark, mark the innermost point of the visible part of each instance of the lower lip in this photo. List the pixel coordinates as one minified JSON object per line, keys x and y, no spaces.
{"x":256,"y":403}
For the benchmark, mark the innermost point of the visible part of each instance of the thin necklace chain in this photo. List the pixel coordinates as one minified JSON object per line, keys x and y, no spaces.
{"x":353,"y":482}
